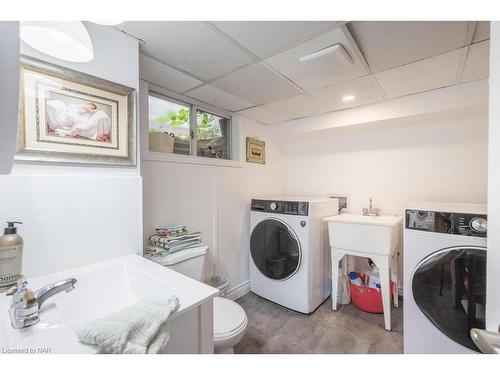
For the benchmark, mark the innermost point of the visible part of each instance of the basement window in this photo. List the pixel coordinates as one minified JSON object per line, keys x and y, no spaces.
{"x":212,"y":135}
{"x":181,"y":128}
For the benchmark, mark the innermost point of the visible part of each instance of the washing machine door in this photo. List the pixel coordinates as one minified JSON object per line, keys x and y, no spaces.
{"x":449,"y":287}
{"x":275,"y":249}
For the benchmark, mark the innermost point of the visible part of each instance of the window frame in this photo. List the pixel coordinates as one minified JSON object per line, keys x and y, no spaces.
{"x":233,"y":139}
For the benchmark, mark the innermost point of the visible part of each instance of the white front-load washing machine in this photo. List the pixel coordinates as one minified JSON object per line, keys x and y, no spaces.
{"x":289,"y":250}
{"x":444,"y":276}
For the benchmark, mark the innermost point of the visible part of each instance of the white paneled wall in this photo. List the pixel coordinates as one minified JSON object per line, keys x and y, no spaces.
{"x":78,"y":214}
{"x":233,"y":223}
{"x":394,"y":163}
{"x":71,"y":221}
{"x":170,"y":200}
{"x":215,"y":200}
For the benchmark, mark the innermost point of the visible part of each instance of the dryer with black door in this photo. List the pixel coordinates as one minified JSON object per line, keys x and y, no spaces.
{"x":289,"y":250}
{"x":444,"y":276}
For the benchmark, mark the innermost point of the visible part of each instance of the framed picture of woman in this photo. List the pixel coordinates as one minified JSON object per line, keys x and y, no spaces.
{"x":69,"y":116}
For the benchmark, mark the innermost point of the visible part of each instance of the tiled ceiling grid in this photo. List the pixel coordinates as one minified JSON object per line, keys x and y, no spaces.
{"x":253,"y":68}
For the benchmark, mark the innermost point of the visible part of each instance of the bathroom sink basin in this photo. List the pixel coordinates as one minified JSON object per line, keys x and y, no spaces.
{"x":369,"y":234}
{"x":101,"y":289}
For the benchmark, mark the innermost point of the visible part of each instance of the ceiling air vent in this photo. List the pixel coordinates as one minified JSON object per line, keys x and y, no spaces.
{"x":328,"y":60}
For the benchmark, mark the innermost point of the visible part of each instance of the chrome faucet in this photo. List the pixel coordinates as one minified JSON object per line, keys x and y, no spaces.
{"x":25,"y":306}
{"x":50,"y":290}
{"x":371,"y":211}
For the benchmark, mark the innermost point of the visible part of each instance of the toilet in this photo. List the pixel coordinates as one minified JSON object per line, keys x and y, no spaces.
{"x":230,"y":320}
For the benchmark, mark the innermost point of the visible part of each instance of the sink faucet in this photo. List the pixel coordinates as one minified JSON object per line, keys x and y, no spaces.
{"x":50,"y":290}
{"x":25,"y":306}
{"x":371,"y":211}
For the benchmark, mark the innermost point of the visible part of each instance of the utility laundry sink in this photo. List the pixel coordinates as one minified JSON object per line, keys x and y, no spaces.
{"x":375,"y":237}
{"x":370,"y":234}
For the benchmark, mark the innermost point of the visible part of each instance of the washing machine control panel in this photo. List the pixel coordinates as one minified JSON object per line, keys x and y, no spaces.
{"x":281,"y":207}
{"x":447,"y":222}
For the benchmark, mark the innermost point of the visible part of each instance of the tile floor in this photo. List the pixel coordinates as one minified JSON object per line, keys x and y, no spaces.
{"x":274,"y":329}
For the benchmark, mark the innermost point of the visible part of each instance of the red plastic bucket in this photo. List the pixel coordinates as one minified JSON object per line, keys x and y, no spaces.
{"x":367,"y":299}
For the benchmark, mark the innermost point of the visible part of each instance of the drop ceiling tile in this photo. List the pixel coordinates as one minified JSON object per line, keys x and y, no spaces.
{"x":264,"y":38}
{"x":288,"y":62}
{"x":160,"y":74}
{"x":263,"y":115}
{"x":297,"y":106}
{"x":432,"y":73}
{"x":482,"y":31}
{"x":363,"y":90}
{"x":219,"y":98}
{"x":389,"y":44}
{"x":258,"y":84}
{"x":192,"y":47}
{"x":477,"y":65}
{"x":122,"y":25}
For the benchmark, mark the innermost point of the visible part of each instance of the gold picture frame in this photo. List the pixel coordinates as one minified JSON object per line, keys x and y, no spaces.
{"x":256,"y":151}
{"x":72,"y":117}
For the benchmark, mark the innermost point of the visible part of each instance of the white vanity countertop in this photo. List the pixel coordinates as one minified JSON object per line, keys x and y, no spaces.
{"x":386,"y":220}
{"x":100,"y":290}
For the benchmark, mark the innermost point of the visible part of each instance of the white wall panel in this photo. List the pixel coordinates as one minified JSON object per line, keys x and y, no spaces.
{"x":71,"y":221}
{"x":233,"y":223}
{"x":191,"y":202}
{"x":394,"y":163}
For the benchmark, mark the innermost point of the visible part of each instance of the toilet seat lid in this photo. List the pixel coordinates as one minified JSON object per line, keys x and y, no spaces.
{"x":229,"y":317}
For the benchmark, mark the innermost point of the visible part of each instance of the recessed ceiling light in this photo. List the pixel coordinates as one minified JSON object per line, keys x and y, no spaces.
{"x":348,"y":98}
{"x":68,"y":41}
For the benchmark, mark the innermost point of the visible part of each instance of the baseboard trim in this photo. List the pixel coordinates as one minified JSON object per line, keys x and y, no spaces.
{"x":238,"y":291}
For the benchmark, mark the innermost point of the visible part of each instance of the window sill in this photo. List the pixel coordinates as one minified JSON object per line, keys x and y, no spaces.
{"x":189,"y":159}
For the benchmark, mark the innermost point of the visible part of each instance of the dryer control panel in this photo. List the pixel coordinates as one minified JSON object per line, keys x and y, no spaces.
{"x":447,"y":222}
{"x":281,"y":207}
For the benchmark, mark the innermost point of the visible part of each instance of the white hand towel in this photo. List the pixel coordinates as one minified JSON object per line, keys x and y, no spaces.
{"x":139,"y":328}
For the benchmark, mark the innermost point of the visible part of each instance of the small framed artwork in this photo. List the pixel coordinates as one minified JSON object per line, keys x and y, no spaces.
{"x":256,"y":151}
{"x":69,"y":116}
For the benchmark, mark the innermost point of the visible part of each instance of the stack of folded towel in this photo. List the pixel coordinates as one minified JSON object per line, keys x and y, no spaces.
{"x":172,"y":238}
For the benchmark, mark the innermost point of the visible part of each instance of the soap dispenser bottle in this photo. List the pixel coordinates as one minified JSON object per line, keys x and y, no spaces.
{"x":11,"y":256}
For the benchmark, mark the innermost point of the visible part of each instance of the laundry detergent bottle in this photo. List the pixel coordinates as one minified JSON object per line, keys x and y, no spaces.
{"x":11,"y":256}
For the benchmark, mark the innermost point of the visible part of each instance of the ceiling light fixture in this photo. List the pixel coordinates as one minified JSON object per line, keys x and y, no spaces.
{"x":68,"y":41}
{"x":348,"y":98}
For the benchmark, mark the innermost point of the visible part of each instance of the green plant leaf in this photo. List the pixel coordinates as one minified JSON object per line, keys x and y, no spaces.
{"x":178,"y":118}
